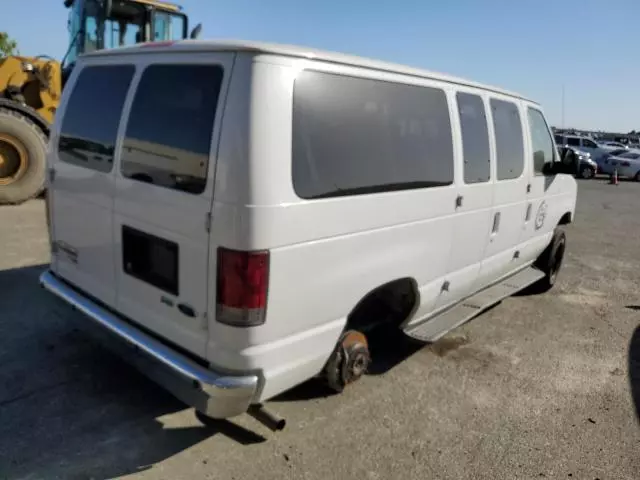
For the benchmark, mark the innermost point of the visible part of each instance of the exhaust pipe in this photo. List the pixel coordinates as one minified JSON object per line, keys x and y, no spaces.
{"x":268,"y":419}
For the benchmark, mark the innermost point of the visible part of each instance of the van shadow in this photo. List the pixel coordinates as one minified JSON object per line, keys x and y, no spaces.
{"x":72,"y":409}
{"x":634,"y":370}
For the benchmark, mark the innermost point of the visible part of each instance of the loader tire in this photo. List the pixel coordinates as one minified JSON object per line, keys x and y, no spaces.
{"x":23,"y":147}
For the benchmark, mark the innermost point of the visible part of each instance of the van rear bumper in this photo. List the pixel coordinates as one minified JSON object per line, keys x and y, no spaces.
{"x":214,"y":394}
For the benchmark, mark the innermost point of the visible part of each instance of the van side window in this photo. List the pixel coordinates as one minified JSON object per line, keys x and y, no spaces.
{"x":589,"y":143}
{"x":354,"y":136}
{"x":541,"y":143}
{"x":509,"y":142}
{"x":170,"y":126}
{"x":91,"y":119}
{"x":573,"y":141}
{"x":475,"y":138}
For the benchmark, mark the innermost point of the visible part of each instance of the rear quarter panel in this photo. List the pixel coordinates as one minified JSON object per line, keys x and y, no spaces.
{"x":325,"y":255}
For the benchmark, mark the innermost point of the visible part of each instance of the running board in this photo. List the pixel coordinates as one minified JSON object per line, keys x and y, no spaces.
{"x":433,"y":328}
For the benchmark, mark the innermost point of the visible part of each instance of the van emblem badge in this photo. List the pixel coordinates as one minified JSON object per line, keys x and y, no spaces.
{"x":541,"y":215}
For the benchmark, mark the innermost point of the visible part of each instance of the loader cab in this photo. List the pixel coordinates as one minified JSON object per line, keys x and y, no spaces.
{"x":103,"y":24}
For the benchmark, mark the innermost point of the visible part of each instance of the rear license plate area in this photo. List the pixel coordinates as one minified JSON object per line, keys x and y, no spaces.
{"x":150,"y":259}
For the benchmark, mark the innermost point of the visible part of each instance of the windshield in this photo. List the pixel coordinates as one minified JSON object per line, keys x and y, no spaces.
{"x":126,"y":25}
{"x":74,"y":24}
{"x":169,"y":26}
{"x":123,"y":27}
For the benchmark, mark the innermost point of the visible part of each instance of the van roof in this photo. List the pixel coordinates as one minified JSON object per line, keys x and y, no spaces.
{"x":293,"y":51}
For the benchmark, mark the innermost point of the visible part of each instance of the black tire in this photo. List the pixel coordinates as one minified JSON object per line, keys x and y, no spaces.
{"x":550,"y":262}
{"x":587,"y":172}
{"x":26,"y":133}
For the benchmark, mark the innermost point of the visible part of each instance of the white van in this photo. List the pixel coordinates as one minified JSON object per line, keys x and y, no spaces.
{"x":255,"y":209}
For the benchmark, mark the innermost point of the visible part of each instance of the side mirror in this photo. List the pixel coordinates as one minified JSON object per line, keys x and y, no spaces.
{"x":568,"y":164}
{"x":195,"y":33}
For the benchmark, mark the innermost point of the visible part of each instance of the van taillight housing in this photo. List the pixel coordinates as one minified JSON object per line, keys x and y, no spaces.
{"x":242,"y":286}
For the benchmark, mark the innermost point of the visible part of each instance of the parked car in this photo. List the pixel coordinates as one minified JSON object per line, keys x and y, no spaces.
{"x":266,"y":206}
{"x":603,"y":163}
{"x":584,"y":144}
{"x":627,"y":164}
{"x":585,"y":167}
{"x":615,"y":145}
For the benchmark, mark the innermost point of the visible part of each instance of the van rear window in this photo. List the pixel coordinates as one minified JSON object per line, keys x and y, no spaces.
{"x":91,"y":119}
{"x":170,"y":126}
{"x":356,"y":136}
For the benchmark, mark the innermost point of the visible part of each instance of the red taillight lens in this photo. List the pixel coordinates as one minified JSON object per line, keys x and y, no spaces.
{"x":243,"y":281}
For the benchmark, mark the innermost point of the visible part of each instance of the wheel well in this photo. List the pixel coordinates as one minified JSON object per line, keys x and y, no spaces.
{"x":566,"y":219}
{"x":28,"y":112}
{"x":391,"y":303}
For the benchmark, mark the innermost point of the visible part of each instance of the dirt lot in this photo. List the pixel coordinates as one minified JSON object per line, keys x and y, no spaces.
{"x":538,"y":387}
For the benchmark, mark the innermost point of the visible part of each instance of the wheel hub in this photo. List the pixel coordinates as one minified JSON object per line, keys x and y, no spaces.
{"x":349,"y":361}
{"x":13,"y":159}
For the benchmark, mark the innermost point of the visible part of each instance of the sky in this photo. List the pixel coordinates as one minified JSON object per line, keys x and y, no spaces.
{"x":590,"y":49}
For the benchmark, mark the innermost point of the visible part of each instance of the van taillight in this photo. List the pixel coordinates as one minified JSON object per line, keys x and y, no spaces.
{"x":242,"y":284}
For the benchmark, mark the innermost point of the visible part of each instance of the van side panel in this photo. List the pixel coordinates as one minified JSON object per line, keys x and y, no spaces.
{"x":326,"y":254}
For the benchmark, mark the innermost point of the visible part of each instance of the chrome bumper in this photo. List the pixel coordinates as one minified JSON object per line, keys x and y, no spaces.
{"x":214,"y":394}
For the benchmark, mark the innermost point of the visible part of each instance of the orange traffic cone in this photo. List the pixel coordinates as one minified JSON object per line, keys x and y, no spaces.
{"x":614,"y":177}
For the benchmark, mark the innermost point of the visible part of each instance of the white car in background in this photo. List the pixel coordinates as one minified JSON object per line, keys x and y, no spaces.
{"x":627,"y":164}
{"x":604,"y":164}
{"x":613,"y":145}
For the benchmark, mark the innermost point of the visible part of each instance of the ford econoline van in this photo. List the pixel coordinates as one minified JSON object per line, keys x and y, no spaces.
{"x":243,"y":214}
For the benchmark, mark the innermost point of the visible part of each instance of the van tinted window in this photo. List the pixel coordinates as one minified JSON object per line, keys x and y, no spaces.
{"x":541,"y":142}
{"x":509,"y":144}
{"x":573,"y":141}
{"x":91,"y":119}
{"x":356,"y":136}
{"x":170,"y":126}
{"x":475,"y":138}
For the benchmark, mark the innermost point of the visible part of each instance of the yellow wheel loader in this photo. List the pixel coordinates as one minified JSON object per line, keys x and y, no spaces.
{"x":30,"y":87}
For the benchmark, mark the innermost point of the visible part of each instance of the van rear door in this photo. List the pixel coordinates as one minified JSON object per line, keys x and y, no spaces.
{"x":81,"y":180}
{"x":164,"y":191}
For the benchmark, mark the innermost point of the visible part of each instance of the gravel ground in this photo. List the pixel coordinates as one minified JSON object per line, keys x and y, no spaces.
{"x":538,"y":387}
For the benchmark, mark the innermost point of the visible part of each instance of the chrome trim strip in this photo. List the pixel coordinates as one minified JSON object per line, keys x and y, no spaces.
{"x":226,"y":387}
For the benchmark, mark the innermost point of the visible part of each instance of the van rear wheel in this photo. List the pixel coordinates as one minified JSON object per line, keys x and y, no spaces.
{"x":348,"y":361}
{"x":550,"y":261}
{"x":22,"y":158}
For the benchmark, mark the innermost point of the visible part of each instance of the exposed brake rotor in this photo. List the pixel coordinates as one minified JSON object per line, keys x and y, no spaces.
{"x":349,"y":361}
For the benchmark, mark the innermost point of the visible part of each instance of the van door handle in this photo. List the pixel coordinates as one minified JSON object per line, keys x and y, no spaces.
{"x":187,"y":310}
{"x":459,"y":199}
{"x":496,"y":223}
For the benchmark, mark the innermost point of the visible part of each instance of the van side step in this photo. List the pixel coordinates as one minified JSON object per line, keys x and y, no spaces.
{"x":433,"y":328}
